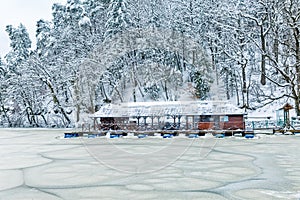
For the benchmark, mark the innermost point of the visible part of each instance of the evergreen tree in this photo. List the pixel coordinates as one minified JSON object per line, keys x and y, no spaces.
{"x":42,"y":37}
{"x":201,"y":86}
{"x":59,"y":15}
{"x":20,"y":47}
{"x":20,"y":90}
{"x":4,"y":116}
{"x":95,"y":10}
{"x":156,"y":14}
{"x":119,"y":18}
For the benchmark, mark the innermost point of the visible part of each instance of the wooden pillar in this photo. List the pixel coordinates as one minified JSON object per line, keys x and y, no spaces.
{"x":193,"y":126}
{"x":123,"y":124}
{"x":138,"y":118}
{"x":158,"y":121}
{"x":174,"y":120}
{"x":187,"y":122}
{"x":94,"y":124}
{"x":179,"y":117}
{"x":114,"y":126}
{"x":152,"y":118}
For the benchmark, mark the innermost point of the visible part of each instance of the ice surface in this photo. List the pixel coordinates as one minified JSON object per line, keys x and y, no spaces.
{"x":41,"y":164}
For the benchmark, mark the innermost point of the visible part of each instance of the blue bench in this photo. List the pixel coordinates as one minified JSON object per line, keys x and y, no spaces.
{"x":193,"y":136}
{"x":167,"y":136}
{"x":115,"y":136}
{"x":220,"y":135}
{"x":249,"y":136}
{"x":71,"y":135}
{"x":142,"y":135}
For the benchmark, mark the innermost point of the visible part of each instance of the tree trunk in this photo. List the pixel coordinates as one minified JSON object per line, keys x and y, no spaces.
{"x":56,"y":101}
{"x":76,"y":93}
{"x":6,"y":116}
{"x":134,"y":87}
{"x":297,"y":47}
{"x":104,"y":93}
{"x":227,"y":85}
{"x":183,"y":56}
{"x":46,"y":123}
{"x":263,"y":56}
{"x":119,"y":94}
{"x":166,"y":90}
{"x":244,"y":78}
{"x":237,"y":90}
{"x":276,"y":45}
{"x":92,"y":97}
{"x":134,"y":95}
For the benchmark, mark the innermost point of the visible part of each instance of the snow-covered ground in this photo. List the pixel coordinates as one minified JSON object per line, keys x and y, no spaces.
{"x":41,"y":164}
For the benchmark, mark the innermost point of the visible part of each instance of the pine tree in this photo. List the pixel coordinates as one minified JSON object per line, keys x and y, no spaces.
{"x":201,"y":86}
{"x":95,"y":10}
{"x":119,"y":18}
{"x":42,"y":37}
{"x":157,"y":14}
{"x":20,"y":47}
{"x":4,"y":115}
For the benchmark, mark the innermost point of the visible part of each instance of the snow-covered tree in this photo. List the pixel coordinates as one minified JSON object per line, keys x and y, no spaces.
{"x":96,"y":51}
{"x":17,"y":98}
{"x":4,"y":109}
{"x":118,"y":18}
{"x":43,"y":37}
{"x":20,"y":47}
{"x":96,"y":14}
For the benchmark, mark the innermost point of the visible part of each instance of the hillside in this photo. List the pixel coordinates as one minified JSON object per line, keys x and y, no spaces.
{"x":94,"y":52}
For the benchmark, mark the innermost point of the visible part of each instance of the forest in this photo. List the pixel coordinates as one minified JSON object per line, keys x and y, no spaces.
{"x":94,"y":52}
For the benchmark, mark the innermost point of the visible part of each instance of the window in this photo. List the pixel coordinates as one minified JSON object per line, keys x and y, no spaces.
{"x":224,"y":118}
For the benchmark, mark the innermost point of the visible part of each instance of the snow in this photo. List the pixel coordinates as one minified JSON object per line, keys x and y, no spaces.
{"x":269,"y":112}
{"x":159,"y":108}
{"x":160,"y":56}
{"x":84,"y":21}
{"x":149,"y":168}
{"x":13,"y":179}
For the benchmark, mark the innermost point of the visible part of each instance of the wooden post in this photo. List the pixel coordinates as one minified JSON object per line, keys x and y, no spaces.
{"x":158,"y":121}
{"x":193,"y":126}
{"x":138,"y":118}
{"x":174,"y":120}
{"x":145,"y":122}
{"x":187,"y":122}
{"x":179,"y":117}
{"x":94,"y":124}
{"x":152,"y":118}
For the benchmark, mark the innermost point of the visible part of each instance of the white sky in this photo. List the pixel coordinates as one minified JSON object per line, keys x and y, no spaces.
{"x":27,"y":12}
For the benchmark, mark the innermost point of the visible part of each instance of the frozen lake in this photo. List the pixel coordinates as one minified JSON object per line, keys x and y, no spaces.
{"x":40,"y":164}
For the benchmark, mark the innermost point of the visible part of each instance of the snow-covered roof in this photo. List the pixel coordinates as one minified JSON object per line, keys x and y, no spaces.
{"x":183,"y":108}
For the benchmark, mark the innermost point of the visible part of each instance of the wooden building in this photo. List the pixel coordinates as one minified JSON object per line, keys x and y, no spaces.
{"x":175,"y":115}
